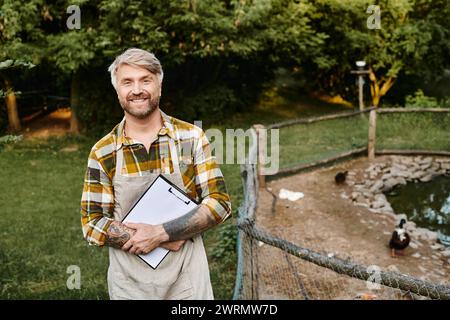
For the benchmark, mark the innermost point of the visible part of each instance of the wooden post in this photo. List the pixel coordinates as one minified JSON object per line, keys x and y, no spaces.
{"x":372,"y":134}
{"x":261,"y":136}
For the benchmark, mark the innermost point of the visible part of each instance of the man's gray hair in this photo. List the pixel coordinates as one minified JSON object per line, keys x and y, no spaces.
{"x":136,"y":57}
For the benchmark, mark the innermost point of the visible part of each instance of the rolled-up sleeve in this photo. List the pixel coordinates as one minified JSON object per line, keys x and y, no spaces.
{"x":209,"y":181}
{"x":97,"y":202}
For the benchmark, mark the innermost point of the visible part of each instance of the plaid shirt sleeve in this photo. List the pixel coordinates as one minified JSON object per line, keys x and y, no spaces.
{"x":97,"y":202}
{"x":209,"y":181}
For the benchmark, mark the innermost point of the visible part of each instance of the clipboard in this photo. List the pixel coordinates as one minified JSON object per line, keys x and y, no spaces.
{"x":161,"y":202}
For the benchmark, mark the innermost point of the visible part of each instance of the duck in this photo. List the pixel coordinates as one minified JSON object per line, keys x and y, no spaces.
{"x":400,"y":238}
{"x":339,"y":178}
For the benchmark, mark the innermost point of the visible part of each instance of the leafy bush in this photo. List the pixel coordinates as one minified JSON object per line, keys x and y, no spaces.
{"x":227,"y":235}
{"x":209,"y":105}
{"x":99,"y":109}
{"x":9,"y":139}
{"x":420,"y":100}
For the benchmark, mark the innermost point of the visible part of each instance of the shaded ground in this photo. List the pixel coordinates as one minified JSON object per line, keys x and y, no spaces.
{"x":325,"y":222}
{"x":56,"y":123}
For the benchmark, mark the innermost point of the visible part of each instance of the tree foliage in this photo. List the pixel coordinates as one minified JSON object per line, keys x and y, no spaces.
{"x":218,"y":54}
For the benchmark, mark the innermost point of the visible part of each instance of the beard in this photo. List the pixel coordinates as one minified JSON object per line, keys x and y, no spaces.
{"x":150,"y":104}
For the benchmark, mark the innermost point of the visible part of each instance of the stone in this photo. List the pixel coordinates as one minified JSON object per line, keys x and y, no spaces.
{"x":400,"y":173}
{"x":425,"y":166}
{"x":426,"y":160}
{"x":389,"y":184}
{"x":435,"y":167}
{"x":406,"y":161}
{"x":400,"y":166}
{"x":445,"y":166}
{"x":437,"y":246}
{"x":446,"y":253}
{"x":362,"y":204}
{"x":418,"y":175}
{"x":413,"y":245}
{"x":380,"y":197}
{"x":377,"y":186}
{"x":400,"y":180}
{"x":416,"y":243}
{"x":378,"y":204}
{"x":426,"y":178}
{"x":344,"y":195}
{"x":410,"y":225}
{"x":368,"y":195}
{"x":416,"y":255}
{"x":387,"y":208}
{"x":355,"y":195}
{"x":386,"y":176}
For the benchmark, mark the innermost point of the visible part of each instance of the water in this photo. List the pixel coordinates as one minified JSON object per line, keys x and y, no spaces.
{"x":425,"y":203}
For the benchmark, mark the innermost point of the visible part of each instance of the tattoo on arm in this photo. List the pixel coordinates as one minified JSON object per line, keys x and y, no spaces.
{"x":118,"y":234}
{"x":191,"y":224}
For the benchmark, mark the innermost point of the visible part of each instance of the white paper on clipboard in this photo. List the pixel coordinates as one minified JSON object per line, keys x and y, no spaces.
{"x":162,"y":202}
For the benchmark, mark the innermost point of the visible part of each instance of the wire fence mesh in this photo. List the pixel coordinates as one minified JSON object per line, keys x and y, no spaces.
{"x":276,"y":262}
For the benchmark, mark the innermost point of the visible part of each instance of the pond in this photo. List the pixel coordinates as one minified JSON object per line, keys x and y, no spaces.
{"x":425,"y":203}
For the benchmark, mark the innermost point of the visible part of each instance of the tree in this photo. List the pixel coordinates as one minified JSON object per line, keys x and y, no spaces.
{"x":411,"y":32}
{"x":9,"y":94}
{"x":19,"y":37}
{"x":72,"y":49}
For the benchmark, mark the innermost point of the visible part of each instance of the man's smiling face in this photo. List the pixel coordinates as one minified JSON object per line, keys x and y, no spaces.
{"x":138,"y":90}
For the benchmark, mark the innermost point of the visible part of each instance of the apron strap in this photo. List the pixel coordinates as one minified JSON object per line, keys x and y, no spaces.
{"x":174,"y":156}
{"x":119,"y":161}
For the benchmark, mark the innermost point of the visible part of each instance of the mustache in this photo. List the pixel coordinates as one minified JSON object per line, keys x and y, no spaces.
{"x":143,"y":95}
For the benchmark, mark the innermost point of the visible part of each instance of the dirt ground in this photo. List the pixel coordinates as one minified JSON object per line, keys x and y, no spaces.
{"x":56,"y":123}
{"x":325,"y":222}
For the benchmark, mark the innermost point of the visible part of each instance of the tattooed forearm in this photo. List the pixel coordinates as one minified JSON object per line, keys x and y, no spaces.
{"x":118,"y":235}
{"x":189,"y":225}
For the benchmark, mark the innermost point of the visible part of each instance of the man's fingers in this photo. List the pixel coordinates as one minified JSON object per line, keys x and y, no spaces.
{"x":127,"y":245}
{"x":132,"y":225}
{"x":173,"y":245}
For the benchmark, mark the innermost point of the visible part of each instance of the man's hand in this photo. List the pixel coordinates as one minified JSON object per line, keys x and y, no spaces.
{"x":146,"y":238}
{"x":118,"y":234}
{"x":173,"y":245}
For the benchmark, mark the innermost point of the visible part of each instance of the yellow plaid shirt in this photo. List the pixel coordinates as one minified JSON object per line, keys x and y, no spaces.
{"x":201,"y":174}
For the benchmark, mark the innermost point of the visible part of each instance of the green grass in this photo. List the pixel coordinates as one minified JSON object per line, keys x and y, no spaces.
{"x":414,"y":131}
{"x":308,"y":143}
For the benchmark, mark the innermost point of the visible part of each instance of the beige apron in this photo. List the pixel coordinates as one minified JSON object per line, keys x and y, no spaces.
{"x":183,"y":274}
